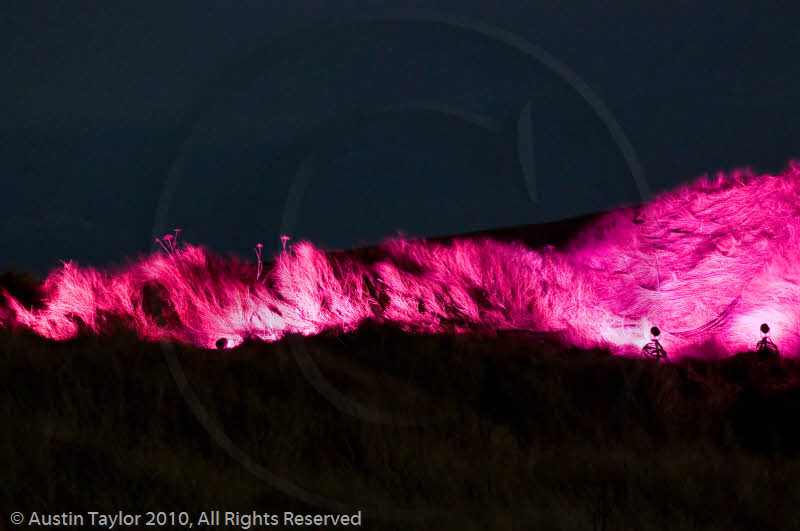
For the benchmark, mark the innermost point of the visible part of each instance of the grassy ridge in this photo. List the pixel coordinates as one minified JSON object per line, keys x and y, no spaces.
{"x":531,"y":436}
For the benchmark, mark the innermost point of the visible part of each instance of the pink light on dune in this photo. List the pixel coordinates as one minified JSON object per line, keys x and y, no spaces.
{"x":706,"y":263}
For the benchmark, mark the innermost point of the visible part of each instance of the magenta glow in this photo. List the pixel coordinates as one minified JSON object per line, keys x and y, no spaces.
{"x":707,"y":263}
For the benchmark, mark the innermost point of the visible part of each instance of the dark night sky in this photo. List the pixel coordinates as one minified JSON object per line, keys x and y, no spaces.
{"x":241,"y":118}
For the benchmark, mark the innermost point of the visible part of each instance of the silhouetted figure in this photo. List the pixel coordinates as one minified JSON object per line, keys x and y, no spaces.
{"x":222,"y":343}
{"x":654,"y":349}
{"x":766,"y":346}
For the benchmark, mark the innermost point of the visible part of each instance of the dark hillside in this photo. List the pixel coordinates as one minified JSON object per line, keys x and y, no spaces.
{"x":486,"y":431}
{"x":514,"y":432}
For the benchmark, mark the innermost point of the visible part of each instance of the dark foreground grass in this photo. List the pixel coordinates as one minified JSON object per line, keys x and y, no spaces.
{"x":531,"y":436}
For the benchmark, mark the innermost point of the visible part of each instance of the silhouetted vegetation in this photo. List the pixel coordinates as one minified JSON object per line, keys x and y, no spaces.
{"x":531,"y":435}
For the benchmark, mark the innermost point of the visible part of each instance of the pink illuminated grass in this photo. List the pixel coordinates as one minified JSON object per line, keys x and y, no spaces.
{"x":707,"y":263}
{"x":260,"y":263}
